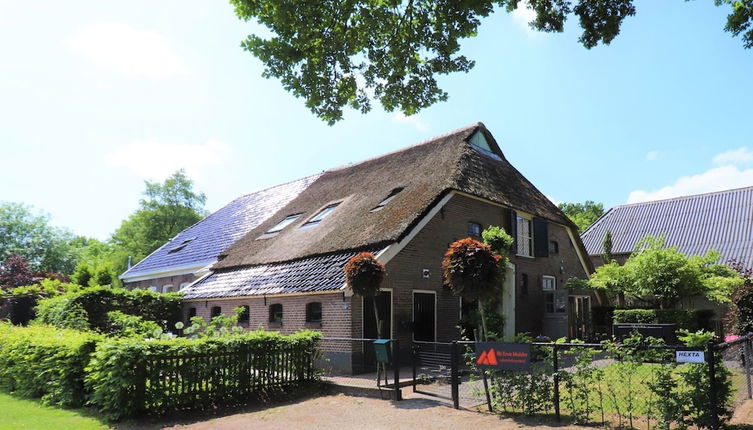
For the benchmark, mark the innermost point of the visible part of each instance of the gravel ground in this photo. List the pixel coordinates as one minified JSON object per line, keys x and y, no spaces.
{"x":346,"y":412}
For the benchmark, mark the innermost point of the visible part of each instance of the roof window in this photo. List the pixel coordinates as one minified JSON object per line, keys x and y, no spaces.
{"x":387,"y":199}
{"x":181,"y":246}
{"x":479,"y":141}
{"x":316,"y":219}
{"x":284,"y":223}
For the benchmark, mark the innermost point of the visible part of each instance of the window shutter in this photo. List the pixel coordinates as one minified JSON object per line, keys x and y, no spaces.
{"x":514,"y":230}
{"x":540,"y":237}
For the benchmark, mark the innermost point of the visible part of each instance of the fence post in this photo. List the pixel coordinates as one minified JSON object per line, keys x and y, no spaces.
{"x":454,"y":374}
{"x":748,"y":348}
{"x":556,"y":377}
{"x":396,"y":366}
{"x":711,"y":360}
{"x":414,"y":359}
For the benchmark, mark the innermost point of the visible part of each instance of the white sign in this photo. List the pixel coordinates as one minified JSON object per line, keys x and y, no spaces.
{"x":690,"y":356}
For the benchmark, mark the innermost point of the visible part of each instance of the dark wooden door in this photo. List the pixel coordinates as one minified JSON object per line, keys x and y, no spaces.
{"x":384,"y":302}
{"x":424,"y":317}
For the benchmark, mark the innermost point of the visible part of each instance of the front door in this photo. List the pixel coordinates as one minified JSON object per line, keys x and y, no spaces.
{"x":424,"y":316}
{"x":580,"y":310}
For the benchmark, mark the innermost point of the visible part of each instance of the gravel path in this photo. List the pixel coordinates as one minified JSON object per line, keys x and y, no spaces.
{"x":345,"y":412}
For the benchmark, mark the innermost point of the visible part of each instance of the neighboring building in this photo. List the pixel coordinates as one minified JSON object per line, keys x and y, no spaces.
{"x":694,"y":224}
{"x":188,"y":255}
{"x":406,"y":207}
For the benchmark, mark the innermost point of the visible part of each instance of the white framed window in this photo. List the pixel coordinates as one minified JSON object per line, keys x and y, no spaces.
{"x":284,"y":223}
{"x":153,"y":288}
{"x":184,"y":285}
{"x":387,"y":199}
{"x":168,"y":288}
{"x":524,"y":236}
{"x":316,"y":219}
{"x":548,"y":283}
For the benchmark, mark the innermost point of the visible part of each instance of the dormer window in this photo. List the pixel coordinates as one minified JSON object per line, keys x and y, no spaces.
{"x":387,"y":199}
{"x":479,"y":141}
{"x":284,"y":223}
{"x":181,"y":246}
{"x":316,"y":219}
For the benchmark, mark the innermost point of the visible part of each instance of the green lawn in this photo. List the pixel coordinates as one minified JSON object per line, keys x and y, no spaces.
{"x":25,"y":414}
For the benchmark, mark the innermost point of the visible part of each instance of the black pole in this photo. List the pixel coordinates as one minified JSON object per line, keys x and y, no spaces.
{"x":711,"y":360}
{"x":748,"y":348}
{"x":455,"y":380}
{"x":556,"y":377}
{"x":414,"y":358}
{"x":396,"y":365}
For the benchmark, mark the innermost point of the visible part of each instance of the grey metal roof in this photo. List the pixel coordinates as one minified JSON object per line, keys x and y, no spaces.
{"x":308,"y":275}
{"x":221,"y":229}
{"x":694,"y":224}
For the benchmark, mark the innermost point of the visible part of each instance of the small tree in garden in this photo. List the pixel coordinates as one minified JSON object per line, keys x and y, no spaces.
{"x":15,"y":272}
{"x":472,"y":269}
{"x":364,"y":275}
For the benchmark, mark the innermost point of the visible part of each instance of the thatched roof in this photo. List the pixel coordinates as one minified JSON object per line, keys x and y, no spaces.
{"x":426,"y":172}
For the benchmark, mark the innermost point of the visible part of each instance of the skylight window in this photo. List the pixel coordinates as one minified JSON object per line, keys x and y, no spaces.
{"x":316,"y":219}
{"x":388,"y":199}
{"x":181,"y":246}
{"x":284,"y":223}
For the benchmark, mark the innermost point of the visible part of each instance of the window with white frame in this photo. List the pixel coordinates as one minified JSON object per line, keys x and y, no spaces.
{"x":548,"y":283}
{"x":168,"y":288}
{"x":184,"y":285}
{"x":524,"y":236}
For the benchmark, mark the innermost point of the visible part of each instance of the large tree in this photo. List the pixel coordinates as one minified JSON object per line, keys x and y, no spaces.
{"x":30,"y":235}
{"x":166,"y":209}
{"x":338,"y":53}
{"x":582,"y":214}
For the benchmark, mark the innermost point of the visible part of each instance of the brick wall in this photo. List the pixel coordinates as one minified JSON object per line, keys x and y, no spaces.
{"x":426,"y":250}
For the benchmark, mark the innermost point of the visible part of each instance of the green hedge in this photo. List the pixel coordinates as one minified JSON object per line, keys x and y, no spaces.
{"x":688,"y":319}
{"x":89,"y":308}
{"x":46,"y":362}
{"x":129,"y":376}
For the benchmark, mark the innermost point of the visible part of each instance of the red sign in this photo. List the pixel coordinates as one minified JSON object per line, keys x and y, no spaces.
{"x":503,"y":355}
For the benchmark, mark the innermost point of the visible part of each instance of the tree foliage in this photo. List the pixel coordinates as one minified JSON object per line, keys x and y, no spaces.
{"x":662,"y":276}
{"x":29,"y":235}
{"x":166,"y":209}
{"x":471,"y":269}
{"x":338,"y":53}
{"x":15,"y":272}
{"x":740,"y":316}
{"x":582,"y":214}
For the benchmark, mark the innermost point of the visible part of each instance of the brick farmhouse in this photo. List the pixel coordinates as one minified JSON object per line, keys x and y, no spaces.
{"x":280,"y":252}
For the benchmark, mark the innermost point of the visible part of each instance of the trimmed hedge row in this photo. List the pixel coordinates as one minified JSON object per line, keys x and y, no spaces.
{"x":89,"y":308}
{"x":46,"y":362}
{"x":129,"y":376}
{"x":688,"y":319}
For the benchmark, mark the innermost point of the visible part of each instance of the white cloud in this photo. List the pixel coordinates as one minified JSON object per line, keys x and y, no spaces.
{"x":156,"y":160}
{"x":742,"y":155}
{"x":413,"y":120}
{"x":523,"y":15}
{"x":126,"y":50}
{"x":716,"y":179}
{"x":652,"y":155}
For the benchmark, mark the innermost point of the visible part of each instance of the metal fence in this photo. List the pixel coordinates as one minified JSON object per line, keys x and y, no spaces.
{"x":627,"y":385}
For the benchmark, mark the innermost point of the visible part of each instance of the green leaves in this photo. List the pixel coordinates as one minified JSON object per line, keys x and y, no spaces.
{"x":582,"y":214}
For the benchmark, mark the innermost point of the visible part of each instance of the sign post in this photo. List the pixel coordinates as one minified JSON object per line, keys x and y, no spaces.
{"x":690,"y":356}
{"x":503,"y":355}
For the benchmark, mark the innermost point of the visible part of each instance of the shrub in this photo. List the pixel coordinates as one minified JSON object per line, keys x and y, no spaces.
{"x":364,"y":274}
{"x":131,"y":325}
{"x":22,"y":300}
{"x":688,"y":319}
{"x":129,"y":375}
{"x":46,"y":362}
{"x":96,"y":302}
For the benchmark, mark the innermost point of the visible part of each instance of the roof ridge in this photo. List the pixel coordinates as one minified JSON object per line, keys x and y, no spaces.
{"x":689,"y":196}
{"x":406,"y":148}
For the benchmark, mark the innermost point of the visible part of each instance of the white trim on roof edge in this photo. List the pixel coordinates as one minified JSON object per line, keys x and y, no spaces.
{"x":168,"y":271}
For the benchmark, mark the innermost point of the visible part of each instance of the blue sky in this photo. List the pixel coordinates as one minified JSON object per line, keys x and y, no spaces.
{"x":96,"y":97}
